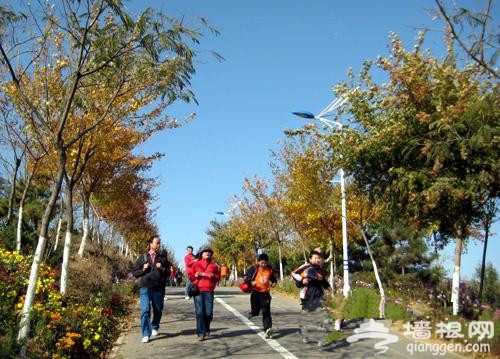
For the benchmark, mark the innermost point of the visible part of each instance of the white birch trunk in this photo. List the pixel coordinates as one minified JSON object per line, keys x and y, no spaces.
{"x":377,"y":277}
{"x":332,"y":271}
{"x":25,"y":317}
{"x":24,"y":323}
{"x":58,"y":233}
{"x":19,"y":228}
{"x":455,"y":285}
{"x":281,"y":261}
{"x":86,"y":231}
{"x":65,"y":263}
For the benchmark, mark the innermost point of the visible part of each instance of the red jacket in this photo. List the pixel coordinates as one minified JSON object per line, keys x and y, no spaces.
{"x":204,"y":267}
{"x":188,"y":262}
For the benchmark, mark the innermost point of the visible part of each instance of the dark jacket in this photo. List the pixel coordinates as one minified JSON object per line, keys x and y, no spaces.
{"x":154,"y":278}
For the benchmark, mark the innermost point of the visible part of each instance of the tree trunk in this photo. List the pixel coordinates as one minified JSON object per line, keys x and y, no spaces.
{"x":455,"y":286}
{"x":334,"y":261}
{"x":97,"y":230}
{"x":21,"y":208}
{"x":483,"y":265}
{"x":86,"y":225}
{"x":19,"y":227}
{"x":332,"y":269}
{"x":67,"y":237}
{"x":58,"y":233}
{"x":22,"y":201}
{"x":280,"y":260}
{"x":59,"y":226}
{"x":12,"y":195}
{"x":491,"y":209}
{"x":65,"y":263}
{"x":24,"y":323}
{"x":377,"y":277}
{"x":233,"y":269}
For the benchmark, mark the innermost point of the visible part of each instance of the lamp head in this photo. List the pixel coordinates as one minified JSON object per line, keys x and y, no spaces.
{"x":304,"y":114}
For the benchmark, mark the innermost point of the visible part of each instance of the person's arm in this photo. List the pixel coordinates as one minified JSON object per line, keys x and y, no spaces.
{"x":192,"y":270}
{"x":297,"y":275}
{"x":138,"y":270}
{"x":212,"y":272}
{"x":273,"y":278}
{"x":216,"y":273}
{"x":325,"y":283}
{"x":188,"y":261}
{"x":165,"y":267}
{"x":249,"y":275}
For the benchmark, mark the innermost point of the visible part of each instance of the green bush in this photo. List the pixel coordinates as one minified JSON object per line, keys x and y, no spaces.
{"x":287,"y":287}
{"x":395,"y":312}
{"x":362,"y":303}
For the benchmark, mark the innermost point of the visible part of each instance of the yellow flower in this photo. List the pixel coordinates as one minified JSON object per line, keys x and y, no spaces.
{"x":97,"y":336}
{"x":86,"y":343}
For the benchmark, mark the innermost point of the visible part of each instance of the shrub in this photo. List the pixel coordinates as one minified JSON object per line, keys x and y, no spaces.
{"x":395,"y":312}
{"x":363,"y":302}
{"x":287,"y":286}
{"x":82,"y":326}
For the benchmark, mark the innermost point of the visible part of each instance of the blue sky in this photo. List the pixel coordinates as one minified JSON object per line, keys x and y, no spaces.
{"x":280,"y":56}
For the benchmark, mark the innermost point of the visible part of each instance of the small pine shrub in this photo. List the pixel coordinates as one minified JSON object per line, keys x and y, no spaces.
{"x":362,"y":303}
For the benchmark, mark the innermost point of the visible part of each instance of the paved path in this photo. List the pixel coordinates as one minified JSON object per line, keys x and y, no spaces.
{"x":235,"y":336}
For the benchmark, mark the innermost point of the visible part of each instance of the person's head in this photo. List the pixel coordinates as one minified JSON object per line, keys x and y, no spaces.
{"x":189,"y":249}
{"x":262,"y":260}
{"x":315,"y":258}
{"x":154,"y":243}
{"x":206,"y":253}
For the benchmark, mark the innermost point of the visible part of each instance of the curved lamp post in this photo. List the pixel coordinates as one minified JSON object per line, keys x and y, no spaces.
{"x":321,"y":117}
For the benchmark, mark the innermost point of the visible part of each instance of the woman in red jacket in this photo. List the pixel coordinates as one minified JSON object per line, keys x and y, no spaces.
{"x":205,"y":274}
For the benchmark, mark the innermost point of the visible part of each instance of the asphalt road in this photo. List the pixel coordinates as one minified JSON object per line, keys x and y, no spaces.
{"x":235,"y":336}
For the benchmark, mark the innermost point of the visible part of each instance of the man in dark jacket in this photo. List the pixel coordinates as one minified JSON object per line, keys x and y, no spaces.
{"x":261,"y":277}
{"x":152,"y":269}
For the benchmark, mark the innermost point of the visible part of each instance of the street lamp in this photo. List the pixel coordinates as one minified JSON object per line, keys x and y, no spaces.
{"x":321,"y":117}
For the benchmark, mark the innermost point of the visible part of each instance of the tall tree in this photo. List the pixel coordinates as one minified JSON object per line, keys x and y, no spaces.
{"x":225,"y":242}
{"x":428,"y":144}
{"x":273,"y":220}
{"x":475,"y":32}
{"x":312,"y":199}
{"x":89,"y":46}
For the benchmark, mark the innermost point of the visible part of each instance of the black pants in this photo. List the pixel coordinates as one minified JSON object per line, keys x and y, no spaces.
{"x":313,"y":299}
{"x":262,"y":301}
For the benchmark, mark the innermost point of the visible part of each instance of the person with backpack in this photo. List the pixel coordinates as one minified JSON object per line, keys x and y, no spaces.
{"x":152,"y":270}
{"x":260,"y":277}
{"x":312,"y":280}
